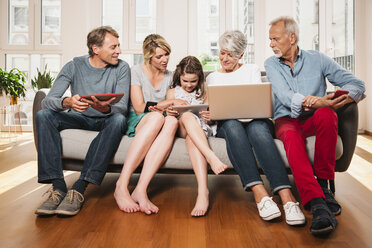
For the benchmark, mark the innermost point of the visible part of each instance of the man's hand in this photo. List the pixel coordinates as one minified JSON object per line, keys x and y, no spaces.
{"x":315,"y":102}
{"x":75,"y":103}
{"x":101,"y":106}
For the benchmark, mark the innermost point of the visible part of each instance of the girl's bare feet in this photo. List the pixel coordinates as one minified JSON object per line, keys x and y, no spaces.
{"x":125,"y":201}
{"x":216,"y":165}
{"x":145,"y":205}
{"x":201,"y":205}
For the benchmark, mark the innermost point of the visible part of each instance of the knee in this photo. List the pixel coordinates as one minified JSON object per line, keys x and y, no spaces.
{"x":171,"y":124}
{"x":326,"y":116}
{"x":257,"y":128}
{"x":156,"y":119}
{"x":187,"y":116}
{"x":233,"y":129}
{"x":118,"y":121}
{"x":43,"y":116}
{"x":291,"y":136}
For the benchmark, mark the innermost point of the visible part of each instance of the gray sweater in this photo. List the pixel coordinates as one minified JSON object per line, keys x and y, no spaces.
{"x":84,"y":79}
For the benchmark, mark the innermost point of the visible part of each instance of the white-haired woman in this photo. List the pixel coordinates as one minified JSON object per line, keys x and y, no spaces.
{"x":244,"y":137}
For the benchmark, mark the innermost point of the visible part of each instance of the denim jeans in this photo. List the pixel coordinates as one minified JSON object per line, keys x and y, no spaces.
{"x":48,"y":125}
{"x":244,"y":141}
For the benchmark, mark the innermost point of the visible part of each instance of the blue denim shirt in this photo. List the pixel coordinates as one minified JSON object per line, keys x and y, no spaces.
{"x":308,"y":78}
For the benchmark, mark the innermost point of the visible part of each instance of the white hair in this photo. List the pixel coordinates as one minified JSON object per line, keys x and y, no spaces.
{"x":290,"y":26}
{"x":234,"y":42}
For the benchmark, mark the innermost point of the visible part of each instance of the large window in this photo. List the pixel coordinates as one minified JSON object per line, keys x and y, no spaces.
{"x":243,"y":20}
{"x":145,"y":19}
{"x":307,"y":17}
{"x":133,"y":20}
{"x":18,"y":22}
{"x":51,"y":22}
{"x":208,"y":33}
{"x":33,"y":41}
{"x":342,"y":43}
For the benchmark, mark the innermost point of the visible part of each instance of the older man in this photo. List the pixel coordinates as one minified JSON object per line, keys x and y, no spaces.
{"x":302,"y":109}
{"x":100,"y":72}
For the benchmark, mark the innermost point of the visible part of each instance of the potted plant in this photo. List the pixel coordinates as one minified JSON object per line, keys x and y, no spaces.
{"x":42,"y":80}
{"x":12,"y":83}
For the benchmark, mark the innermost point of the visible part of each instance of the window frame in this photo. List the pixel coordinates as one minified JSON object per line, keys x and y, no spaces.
{"x":34,"y":46}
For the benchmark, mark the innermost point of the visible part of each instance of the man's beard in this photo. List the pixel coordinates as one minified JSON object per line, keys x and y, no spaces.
{"x":278,"y":55}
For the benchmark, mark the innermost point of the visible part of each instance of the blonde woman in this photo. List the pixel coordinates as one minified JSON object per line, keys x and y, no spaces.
{"x":153,"y":133}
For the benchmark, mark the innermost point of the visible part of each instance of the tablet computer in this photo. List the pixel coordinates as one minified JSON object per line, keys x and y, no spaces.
{"x":105,"y":97}
{"x":190,"y":108}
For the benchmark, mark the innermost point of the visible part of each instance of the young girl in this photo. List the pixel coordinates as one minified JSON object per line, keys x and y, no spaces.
{"x":188,"y":85}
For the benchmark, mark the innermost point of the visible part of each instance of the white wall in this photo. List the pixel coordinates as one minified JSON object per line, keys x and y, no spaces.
{"x":363,"y":65}
{"x":82,"y":19}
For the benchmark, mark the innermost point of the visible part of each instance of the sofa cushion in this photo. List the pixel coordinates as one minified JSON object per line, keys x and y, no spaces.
{"x":75,"y":145}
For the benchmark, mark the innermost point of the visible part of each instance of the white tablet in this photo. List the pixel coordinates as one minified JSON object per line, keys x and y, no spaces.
{"x":190,"y":108}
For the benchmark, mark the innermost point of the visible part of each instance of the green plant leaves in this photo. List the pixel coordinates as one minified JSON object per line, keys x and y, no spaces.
{"x":42,"y":80}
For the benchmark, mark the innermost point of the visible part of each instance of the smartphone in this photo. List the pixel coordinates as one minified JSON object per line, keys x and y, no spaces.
{"x":340,"y":93}
{"x":148,"y":104}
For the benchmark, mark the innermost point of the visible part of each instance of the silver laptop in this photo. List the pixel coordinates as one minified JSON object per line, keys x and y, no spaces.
{"x":240,"y":101}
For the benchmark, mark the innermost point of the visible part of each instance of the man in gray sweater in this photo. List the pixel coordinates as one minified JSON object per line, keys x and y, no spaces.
{"x":99,"y":73}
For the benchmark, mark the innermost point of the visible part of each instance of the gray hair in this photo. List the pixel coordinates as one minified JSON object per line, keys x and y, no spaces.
{"x":234,"y":42}
{"x":290,"y":26}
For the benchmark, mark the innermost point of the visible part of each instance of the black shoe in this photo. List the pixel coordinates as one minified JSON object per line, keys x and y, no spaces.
{"x":324,"y":221}
{"x":331,"y":202}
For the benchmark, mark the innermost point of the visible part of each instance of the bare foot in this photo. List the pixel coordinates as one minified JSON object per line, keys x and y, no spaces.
{"x":216,"y":165}
{"x":201,"y":205}
{"x":125,"y":201}
{"x":145,"y":205}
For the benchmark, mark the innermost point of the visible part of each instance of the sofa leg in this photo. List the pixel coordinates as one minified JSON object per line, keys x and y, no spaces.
{"x":332,"y":186}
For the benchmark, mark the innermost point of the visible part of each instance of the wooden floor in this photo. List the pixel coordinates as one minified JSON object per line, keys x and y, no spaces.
{"x":232,"y":220}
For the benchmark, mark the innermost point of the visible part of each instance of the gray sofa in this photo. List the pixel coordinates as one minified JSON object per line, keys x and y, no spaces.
{"x":75,"y":144}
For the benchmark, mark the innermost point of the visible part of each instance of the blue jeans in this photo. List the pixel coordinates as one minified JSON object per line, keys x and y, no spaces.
{"x":244,"y":138}
{"x":48,"y":125}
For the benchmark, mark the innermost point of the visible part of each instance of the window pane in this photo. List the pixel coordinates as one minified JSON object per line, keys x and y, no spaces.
{"x":132,"y":59}
{"x":145,"y":19}
{"x":307,"y":17}
{"x":53,"y":63}
{"x":51,"y":22}
{"x":113,"y":15}
{"x":208,"y":33}
{"x":18,"y":22}
{"x":22,"y":114}
{"x":343,"y":33}
{"x":19,"y":61}
{"x":243,"y":20}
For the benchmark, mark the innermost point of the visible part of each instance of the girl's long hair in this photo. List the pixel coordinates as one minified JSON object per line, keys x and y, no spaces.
{"x":190,"y":65}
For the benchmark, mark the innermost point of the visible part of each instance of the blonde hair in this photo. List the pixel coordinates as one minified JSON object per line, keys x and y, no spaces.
{"x":150,"y":43}
{"x":290,"y":26}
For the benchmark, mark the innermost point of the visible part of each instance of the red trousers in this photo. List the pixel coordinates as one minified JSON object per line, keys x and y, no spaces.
{"x":293,"y":132}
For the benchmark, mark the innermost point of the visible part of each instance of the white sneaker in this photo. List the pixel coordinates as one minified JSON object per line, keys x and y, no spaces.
{"x":268,"y":209}
{"x":293,"y":214}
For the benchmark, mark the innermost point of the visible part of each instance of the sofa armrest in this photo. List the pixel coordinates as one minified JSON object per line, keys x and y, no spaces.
{"x":36,"y":106}
{"x":348,"y":131}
